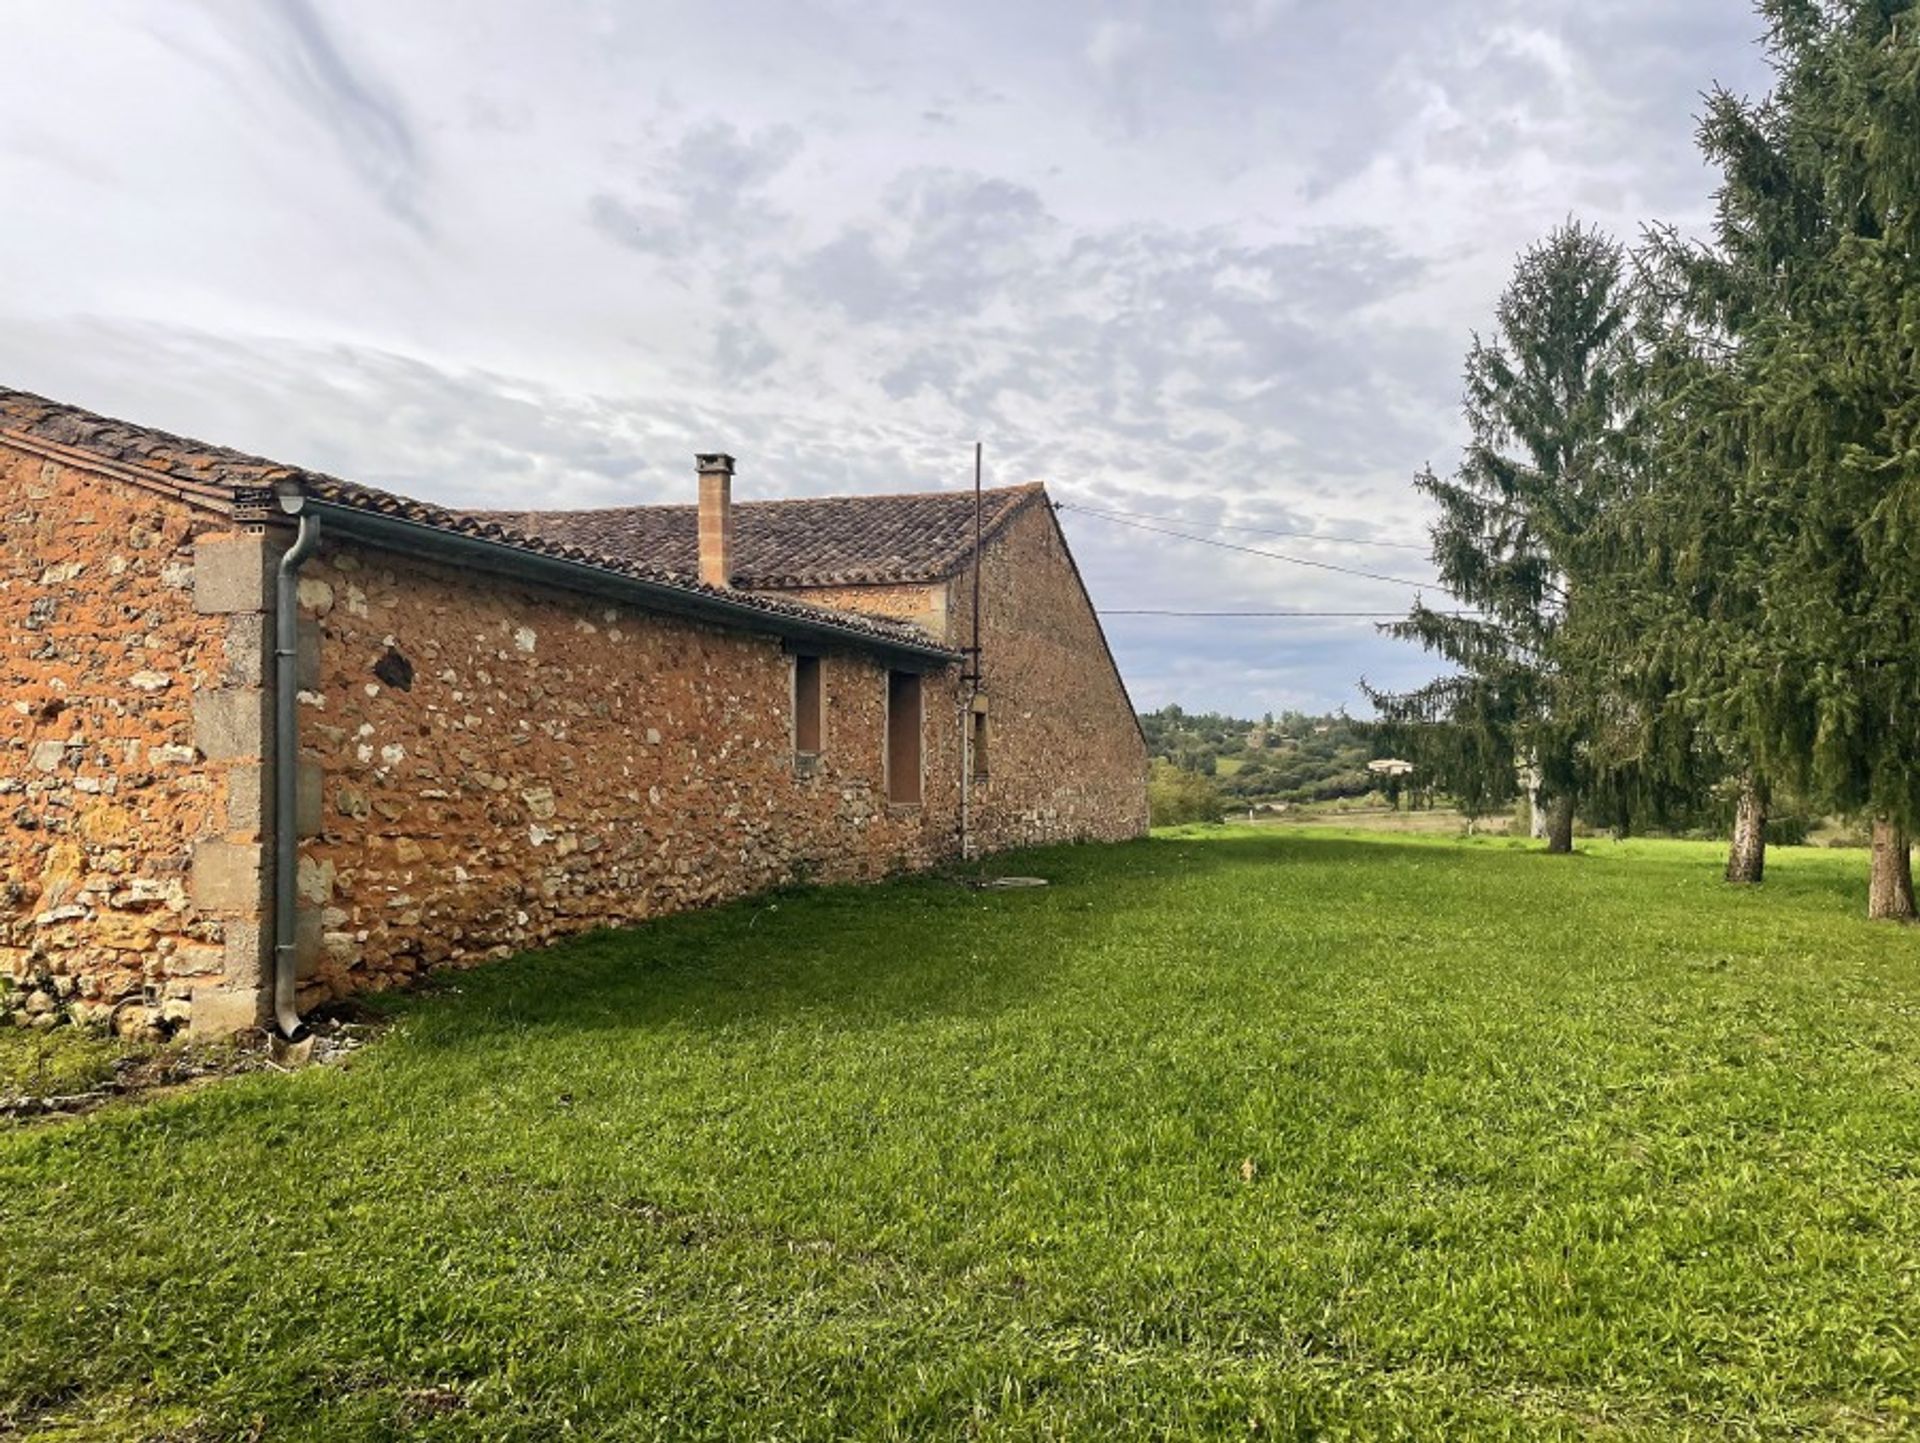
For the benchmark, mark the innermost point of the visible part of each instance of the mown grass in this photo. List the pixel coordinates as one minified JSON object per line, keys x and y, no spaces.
{"x":64,"y":1061}
{"x":1260,"y":1134}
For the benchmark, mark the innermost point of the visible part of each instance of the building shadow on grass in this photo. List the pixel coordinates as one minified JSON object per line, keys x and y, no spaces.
{"x":914,"y":948}
{"x":846,"y":956}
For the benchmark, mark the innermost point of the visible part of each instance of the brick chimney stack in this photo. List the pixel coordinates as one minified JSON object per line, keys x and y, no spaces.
{"x":716,"y":518}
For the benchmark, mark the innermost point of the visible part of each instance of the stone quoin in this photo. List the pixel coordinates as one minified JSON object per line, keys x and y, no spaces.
{"x":512,"y":727}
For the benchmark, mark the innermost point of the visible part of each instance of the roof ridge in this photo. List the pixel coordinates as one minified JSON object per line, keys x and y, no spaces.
{"x":798,"y":542}
{"x":1021,"y":488}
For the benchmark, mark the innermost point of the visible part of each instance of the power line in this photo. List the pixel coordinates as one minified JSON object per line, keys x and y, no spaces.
{"x":1356,"y":615}
{"x":1256,"y":551}
{"x":1113,"y":514}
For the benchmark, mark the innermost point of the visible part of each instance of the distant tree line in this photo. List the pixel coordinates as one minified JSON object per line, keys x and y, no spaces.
{"x":1284,"y":757}
{"x":1685,"y":532}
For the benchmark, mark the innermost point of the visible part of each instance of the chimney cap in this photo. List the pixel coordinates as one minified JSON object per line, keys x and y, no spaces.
{"x":708,"y":461}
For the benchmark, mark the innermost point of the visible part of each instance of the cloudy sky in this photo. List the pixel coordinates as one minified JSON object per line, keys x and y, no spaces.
{"x":1207,"y":260}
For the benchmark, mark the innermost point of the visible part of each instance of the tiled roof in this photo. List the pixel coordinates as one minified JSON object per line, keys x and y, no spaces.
{"x":224,"y":476}
{"x":159,"y":455}
{"x":815,"y":541}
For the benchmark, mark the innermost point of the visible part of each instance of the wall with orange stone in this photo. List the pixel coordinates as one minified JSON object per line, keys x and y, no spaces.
{"x":501,"y":765}
{"x":1066,"y":761}
{"x":487,"y":767}
{"x":130,"y":756}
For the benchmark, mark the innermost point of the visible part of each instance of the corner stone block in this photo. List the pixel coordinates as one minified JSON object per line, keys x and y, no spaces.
{"x":230,"y":722}
{"x":228,"y":877}
{"x":230,"y":574}
{"x":249,"y":647}
{"x":218,"y":1012}
{"x":249,"y":808}
{"x":249,"y":959}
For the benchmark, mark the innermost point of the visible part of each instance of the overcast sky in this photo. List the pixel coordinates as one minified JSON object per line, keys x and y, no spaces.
{"x":1213,"y":260}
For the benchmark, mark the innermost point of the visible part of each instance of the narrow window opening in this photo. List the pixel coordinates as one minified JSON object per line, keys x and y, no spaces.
{"x":903,"y":737}
{"x":809,"y":704}
{"x":979,"y":746}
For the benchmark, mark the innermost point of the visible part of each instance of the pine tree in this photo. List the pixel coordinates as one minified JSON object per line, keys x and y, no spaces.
{"x":1808,"y":305}
{"x":1545,"y":458}
{"x":1674,"y":620}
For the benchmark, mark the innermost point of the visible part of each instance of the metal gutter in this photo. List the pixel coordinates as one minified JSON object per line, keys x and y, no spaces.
{"x":419,"y":539}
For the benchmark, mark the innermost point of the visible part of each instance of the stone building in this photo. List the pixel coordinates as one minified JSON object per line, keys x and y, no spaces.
{"x":506,"y":727}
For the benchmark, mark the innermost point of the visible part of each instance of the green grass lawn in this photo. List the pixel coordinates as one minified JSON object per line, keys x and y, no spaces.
{"x":1262,"y":1134}
{"x":50,"y":1063}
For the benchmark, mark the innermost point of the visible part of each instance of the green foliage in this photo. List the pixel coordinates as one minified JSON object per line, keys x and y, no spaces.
{"x":1263,"y":1136}
{"x":1547,"y":457}
{"x":1787,"y":503}
{"x":1290,"y":758}
{"x":1789,"y":830}
{"x":1176,"y":796}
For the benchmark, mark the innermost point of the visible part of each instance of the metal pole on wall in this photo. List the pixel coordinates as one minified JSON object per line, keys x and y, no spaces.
{"x":972,"y":691}
{"x":976,"y":565}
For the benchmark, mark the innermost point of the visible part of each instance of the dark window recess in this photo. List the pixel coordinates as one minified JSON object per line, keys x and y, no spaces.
{"x":808,"y":705}
{"x":903,"y":737}
{"x":979,"y":746}
{"x":395,"y":670}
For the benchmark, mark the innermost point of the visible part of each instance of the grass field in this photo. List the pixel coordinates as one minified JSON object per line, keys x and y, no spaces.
{"x":1264,"y":1134}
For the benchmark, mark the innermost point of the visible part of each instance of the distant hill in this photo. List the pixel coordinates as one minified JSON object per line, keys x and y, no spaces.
{"x":1290,"y":757}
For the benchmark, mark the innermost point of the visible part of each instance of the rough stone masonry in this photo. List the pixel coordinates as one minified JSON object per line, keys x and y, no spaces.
{"x":489,"y":759}
{"x":130,"y":755}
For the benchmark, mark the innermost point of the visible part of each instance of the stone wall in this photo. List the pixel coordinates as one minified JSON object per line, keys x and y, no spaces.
{"x":487,"y":766}
{"x":925,"y":604}
{"x":501,"y":765}
{"x":1065,"y":759}
{"x":130,"y":753}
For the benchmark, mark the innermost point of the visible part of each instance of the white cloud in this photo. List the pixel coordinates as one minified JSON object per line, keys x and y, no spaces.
{"x":1208,"y":261}
{"x":1113,"y":43}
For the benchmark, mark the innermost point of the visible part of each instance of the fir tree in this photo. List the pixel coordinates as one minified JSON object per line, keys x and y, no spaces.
{"x":1673,"y":625}
{"x":1805,"y":311}
{"x":1545,"y":458}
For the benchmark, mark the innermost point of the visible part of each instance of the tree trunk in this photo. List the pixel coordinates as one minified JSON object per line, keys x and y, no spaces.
{"x":1890,"y":888}
{"x":1536,"y":805}
{"x":1560,"y":825}
{"x":1747,"y":859}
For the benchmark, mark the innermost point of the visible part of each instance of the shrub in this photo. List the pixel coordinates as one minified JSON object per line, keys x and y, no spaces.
{"x":1176,"y":796}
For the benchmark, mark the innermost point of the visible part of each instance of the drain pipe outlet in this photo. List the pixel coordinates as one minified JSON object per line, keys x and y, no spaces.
{"x":286,"y":767}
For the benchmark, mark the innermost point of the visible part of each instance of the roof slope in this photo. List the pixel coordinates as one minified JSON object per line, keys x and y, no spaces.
{"x":225,"y":478}
{"x":808,"y":541}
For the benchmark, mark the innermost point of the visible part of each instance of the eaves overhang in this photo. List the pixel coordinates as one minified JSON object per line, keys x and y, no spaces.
{"x":811,"y":625}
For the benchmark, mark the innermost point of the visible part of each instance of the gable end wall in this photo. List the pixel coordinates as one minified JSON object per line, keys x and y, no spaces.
{"x":1066,"y":761}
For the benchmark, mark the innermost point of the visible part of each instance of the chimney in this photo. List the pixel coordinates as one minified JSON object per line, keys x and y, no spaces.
{"x":716,"y":518}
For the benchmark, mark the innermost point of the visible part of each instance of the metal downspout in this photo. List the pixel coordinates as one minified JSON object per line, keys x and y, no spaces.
{"x":972,"y":678}
{"x":286,"y":769}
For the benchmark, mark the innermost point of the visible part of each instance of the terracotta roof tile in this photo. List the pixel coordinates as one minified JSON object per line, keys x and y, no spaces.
{"x":205,"y":468}
{"x":810,"y":541}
